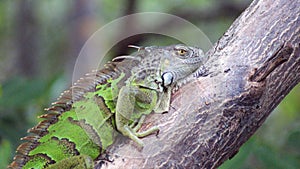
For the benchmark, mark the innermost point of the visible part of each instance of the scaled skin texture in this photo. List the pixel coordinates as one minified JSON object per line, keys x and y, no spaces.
{"x":86,"y":119}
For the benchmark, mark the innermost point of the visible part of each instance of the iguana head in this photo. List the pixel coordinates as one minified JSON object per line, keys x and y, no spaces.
{"x":163,"y":66}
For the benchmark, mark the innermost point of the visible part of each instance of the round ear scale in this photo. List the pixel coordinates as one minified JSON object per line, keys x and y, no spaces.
{"x":167,"y":79}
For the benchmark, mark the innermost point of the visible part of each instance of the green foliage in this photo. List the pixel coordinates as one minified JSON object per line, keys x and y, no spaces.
{"x":269,"y":157}
{"x":21,"y":101}
{"x":5,"y":153}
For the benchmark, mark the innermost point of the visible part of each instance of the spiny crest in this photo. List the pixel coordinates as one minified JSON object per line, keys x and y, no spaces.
{"x":64,"y":103}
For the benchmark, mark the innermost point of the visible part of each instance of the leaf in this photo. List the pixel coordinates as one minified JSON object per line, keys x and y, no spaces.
{"x":5,"y":153}
{"x":0,"y":91}
{"x":292,"y":144}
{"x":269,"y":157}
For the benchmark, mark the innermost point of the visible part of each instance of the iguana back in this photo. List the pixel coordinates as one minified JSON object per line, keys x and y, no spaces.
{"x":85,"y":118}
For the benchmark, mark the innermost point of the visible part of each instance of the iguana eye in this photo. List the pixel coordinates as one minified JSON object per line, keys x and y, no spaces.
{"x":181,"y":52}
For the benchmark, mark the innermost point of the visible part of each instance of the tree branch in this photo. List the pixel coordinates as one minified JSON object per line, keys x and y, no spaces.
{"x":251,"y":68}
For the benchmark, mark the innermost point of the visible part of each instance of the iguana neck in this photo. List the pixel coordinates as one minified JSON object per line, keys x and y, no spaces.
{"x":121,"y":94}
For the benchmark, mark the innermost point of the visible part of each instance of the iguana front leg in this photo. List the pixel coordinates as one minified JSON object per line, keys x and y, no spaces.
{"x":132,"y":105}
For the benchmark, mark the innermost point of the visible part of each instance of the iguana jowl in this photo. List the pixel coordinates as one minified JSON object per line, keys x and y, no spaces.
{"x":80,"y":126}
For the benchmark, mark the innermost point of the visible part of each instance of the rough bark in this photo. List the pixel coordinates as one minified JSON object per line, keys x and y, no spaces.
{"x":251,"y":68}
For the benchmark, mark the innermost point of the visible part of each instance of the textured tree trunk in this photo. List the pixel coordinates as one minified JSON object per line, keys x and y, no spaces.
{"x":251,"y":68}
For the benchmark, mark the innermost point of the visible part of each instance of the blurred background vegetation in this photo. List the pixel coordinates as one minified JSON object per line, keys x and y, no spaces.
{"x":39,"y":43}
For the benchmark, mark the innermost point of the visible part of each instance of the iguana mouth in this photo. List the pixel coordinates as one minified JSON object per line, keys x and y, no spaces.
{"x":124,"y":91}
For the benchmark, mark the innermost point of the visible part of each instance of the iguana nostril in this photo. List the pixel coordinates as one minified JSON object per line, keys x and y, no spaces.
{"x":82,"y":123}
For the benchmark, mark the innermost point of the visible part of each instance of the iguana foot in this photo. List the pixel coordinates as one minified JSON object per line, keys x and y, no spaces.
{"x":144,"y":133}
{"x":132,"y":131}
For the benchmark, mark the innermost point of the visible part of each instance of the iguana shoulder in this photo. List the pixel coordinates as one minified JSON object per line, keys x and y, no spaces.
{"x":84,"y":119}
{"x":64,"y":104}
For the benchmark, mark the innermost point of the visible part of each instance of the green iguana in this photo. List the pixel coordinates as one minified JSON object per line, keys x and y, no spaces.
{"x":84,"y":121}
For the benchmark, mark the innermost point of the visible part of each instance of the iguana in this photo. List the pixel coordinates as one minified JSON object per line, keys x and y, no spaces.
{"x":85,"y":119}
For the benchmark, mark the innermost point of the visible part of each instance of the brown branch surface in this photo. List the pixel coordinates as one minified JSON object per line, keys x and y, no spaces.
{"x":251,"y":69}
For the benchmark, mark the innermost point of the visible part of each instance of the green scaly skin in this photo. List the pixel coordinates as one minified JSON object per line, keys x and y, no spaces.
{"x":85,"y":120}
